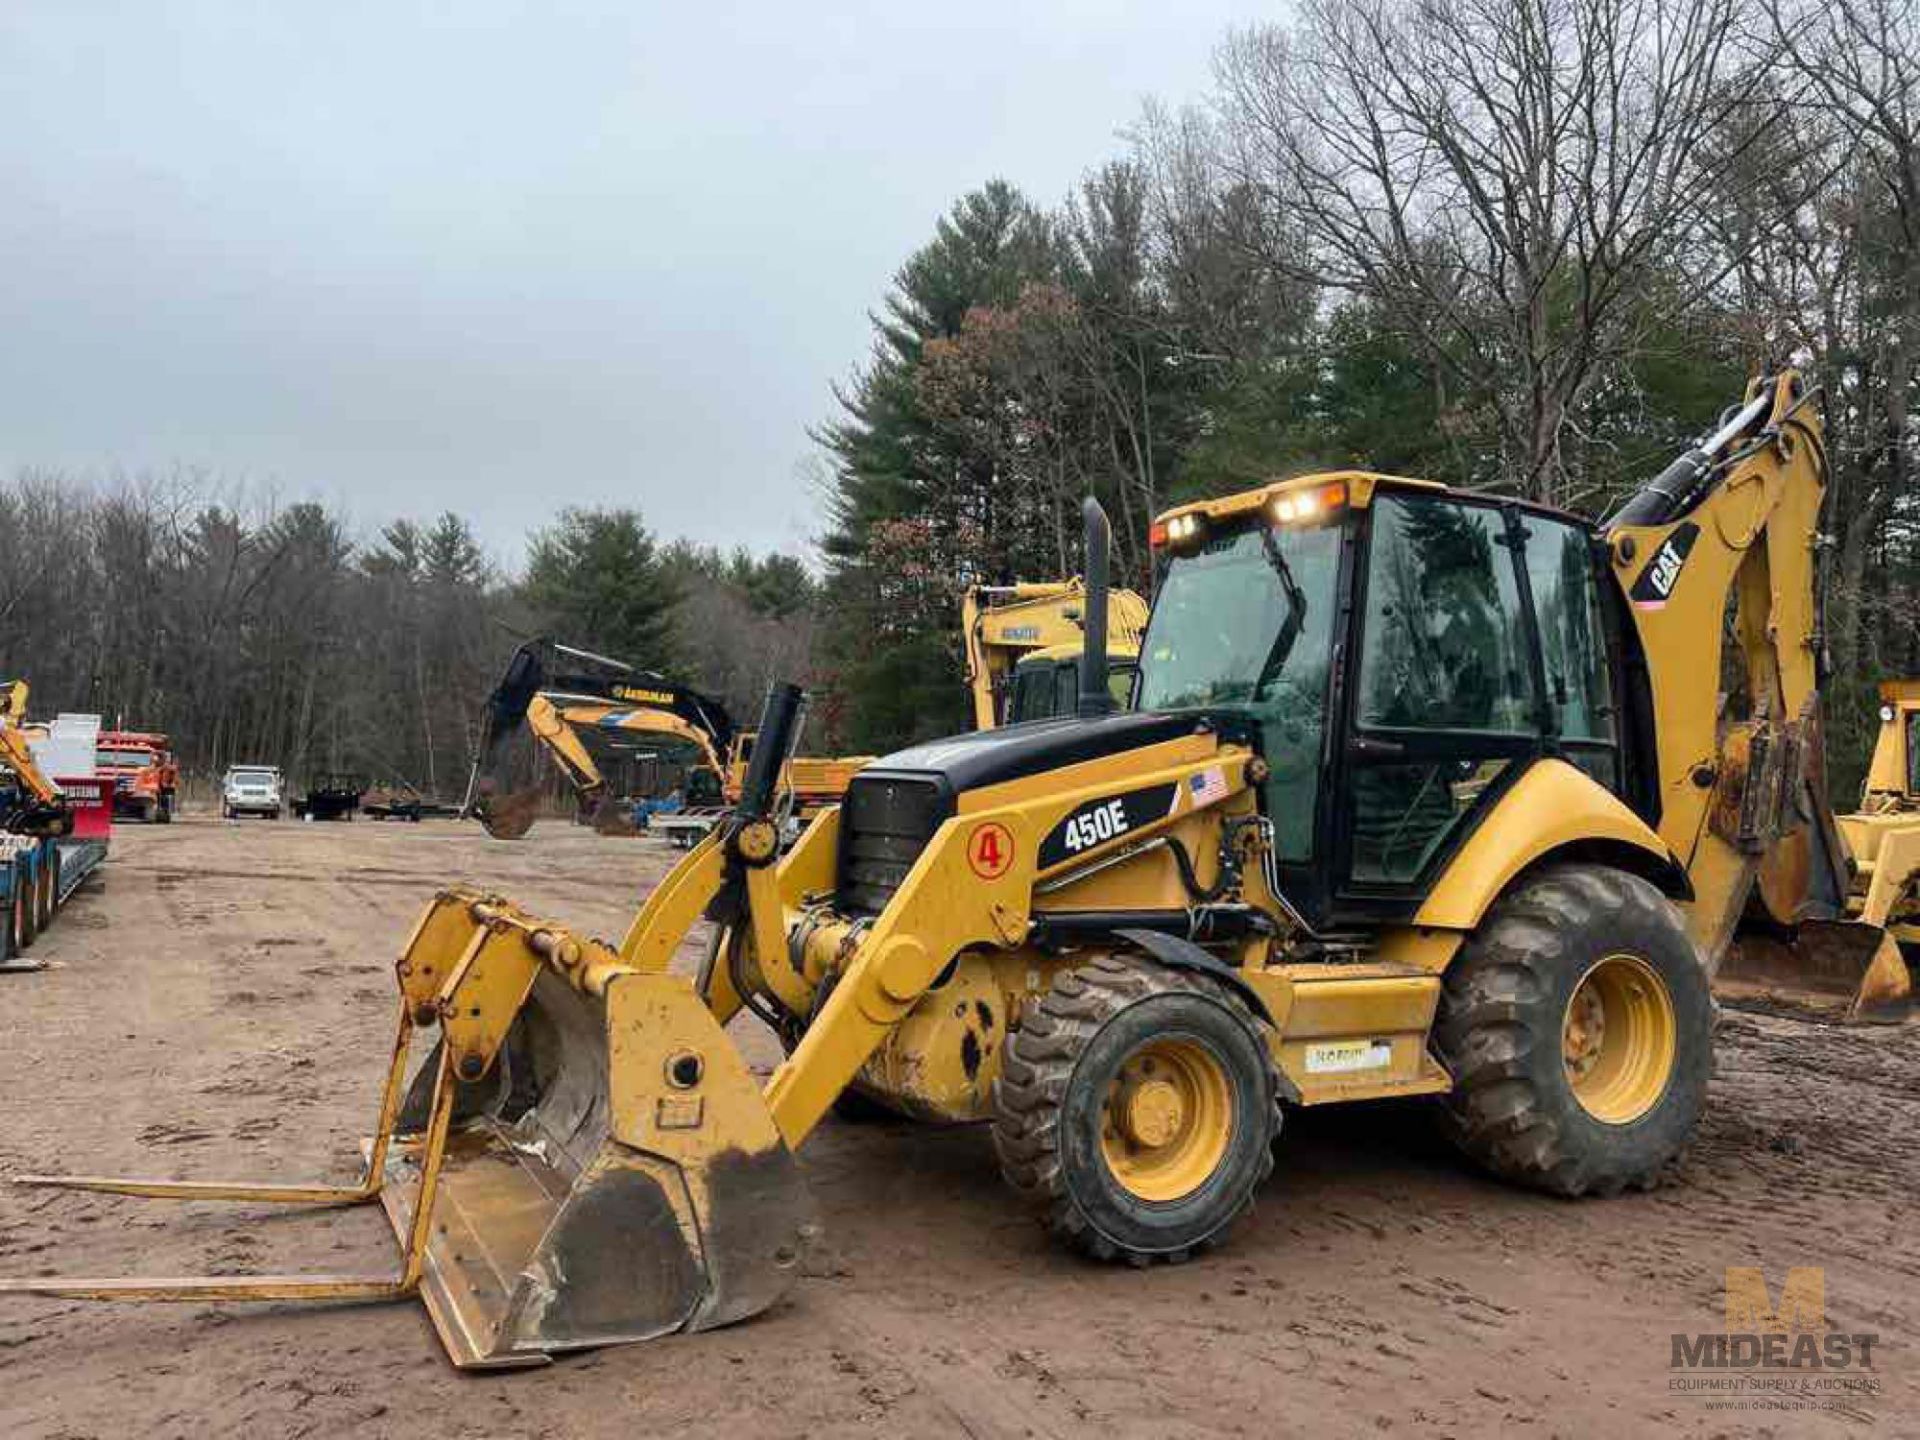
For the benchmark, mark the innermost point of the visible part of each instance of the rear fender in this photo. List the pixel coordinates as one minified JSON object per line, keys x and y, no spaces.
{"x":1554,"y":811}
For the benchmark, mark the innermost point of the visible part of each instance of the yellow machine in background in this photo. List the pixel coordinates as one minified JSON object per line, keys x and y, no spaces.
{"x":1426,"y":793}
{"x":39,"y":807}
{"x":1884,"y":833}
{"x":1024,"y":643}
{"x":600,"y":700}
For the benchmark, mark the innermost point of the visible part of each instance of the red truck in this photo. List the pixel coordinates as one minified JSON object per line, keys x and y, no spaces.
{"x":142,"y":771}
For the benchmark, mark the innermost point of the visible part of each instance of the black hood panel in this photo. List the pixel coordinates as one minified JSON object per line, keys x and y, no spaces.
{"x":992,"y":757}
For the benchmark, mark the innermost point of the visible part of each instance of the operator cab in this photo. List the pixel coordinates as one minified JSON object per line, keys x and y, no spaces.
{"x":1046,"y":683}
{"x":1400,"y":653}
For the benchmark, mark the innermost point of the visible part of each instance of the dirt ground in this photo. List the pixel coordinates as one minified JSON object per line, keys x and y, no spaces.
{"x":220,"y":1005}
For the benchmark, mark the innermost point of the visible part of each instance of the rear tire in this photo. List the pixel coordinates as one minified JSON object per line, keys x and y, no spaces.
{"x":1136,"y":1104}
{"x":1578,"y":1026}
{"x":25,"y":931}
{"x":45,"y":894}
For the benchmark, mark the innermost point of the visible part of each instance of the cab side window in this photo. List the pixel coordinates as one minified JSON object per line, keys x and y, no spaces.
{"x":1446,"y":700}
{"x":1066,"y":688}
{"x":1445,"y":646}
{"x":1032,"y":693}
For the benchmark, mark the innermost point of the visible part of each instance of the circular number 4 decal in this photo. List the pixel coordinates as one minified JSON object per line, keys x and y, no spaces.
{"x":990,"y":850}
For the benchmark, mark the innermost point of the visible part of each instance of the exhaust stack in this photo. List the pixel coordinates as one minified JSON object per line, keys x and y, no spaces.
{"x":1096,"y":699}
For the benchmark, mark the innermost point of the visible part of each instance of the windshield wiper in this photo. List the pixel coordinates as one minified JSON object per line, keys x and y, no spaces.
{"x":1295,"y":621}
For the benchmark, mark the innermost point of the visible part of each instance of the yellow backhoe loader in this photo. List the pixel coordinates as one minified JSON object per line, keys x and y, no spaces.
{"x":1426,"y":793}
{"x":1884,"y":833}
{"x":1024,"y":643}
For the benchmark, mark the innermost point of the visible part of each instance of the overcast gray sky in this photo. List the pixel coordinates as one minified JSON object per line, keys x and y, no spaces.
{"x":499,"y":257}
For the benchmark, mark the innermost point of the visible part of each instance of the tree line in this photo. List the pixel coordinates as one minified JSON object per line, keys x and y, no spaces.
{"x":1525,"y":245}
{"x":252,"y":632}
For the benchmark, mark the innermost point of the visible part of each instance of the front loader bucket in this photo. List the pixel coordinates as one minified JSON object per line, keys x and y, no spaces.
{"x":620,"y":1180}
{"x":1836,"y":969}
{"x":583,"y":1159}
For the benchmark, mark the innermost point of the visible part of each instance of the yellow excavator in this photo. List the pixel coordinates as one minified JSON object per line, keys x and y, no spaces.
{"x":1024,"y":642}
{"x":33,"y":804}
{"x":614,"y":703}
{"x":1425,"y":793}
{"x":595,"y":696}
{"x":1023,"y":646}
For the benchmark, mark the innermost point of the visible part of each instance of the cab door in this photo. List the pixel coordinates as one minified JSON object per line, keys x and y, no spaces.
{"x":1445,"y":706}
{"x":1482,"y":647}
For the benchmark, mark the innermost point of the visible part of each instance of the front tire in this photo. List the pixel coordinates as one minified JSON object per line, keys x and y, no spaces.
{"x":1136,"y":1104}
{"x":1578,"y":1026}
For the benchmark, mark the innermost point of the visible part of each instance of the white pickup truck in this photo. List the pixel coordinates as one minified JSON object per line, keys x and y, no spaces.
{"x":252,"y":790}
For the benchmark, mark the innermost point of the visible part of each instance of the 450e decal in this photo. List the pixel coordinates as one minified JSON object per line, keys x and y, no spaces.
{"x":1096,"y":822}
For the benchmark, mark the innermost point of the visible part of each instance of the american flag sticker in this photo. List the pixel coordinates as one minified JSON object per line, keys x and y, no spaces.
{"x":1208,"y":786}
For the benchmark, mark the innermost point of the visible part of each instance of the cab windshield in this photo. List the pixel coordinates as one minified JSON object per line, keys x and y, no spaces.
{"x":1247,"y":624}
{"x":124,"y":759}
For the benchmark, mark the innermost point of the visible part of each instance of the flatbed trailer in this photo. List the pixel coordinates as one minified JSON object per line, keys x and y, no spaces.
{"x":38,"y":875}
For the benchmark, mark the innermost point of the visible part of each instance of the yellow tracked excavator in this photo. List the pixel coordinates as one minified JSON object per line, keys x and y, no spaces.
{"x":1024,"y":643}
{"x":594,"y":697}
{"x":1426,"y":793}
{"x":35,"y":805}
{"x":603,"y":703}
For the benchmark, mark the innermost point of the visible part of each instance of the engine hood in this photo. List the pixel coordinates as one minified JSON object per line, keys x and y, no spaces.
{"x":992,"y":757}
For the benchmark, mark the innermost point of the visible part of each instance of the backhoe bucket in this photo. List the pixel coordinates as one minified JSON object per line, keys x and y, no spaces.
{"x":622,"y":1179}
{"x":509,"y":816}
{"x":614,"y":817}
{"x":1837,"y":969}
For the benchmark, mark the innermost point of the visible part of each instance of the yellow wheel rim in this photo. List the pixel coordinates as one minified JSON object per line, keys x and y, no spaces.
{"x":1166,"y":1119}
{"x":1618,"y":1040}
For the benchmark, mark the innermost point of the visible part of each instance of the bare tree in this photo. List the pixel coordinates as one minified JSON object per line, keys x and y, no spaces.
{"x":1504,"y":176}
{"x":1857,"y":303}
